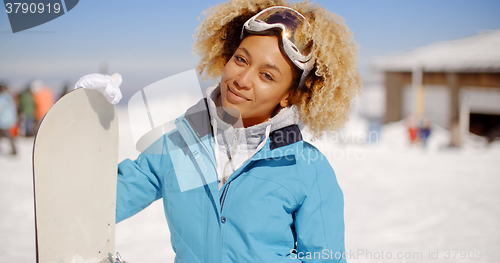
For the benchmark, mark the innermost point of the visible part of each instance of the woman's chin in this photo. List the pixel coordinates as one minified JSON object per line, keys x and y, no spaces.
{"x":232,"y":111}
{"x":228,"y":104}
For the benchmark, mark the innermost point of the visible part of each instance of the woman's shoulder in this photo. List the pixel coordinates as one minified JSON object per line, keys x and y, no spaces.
{"x":312,"y":156}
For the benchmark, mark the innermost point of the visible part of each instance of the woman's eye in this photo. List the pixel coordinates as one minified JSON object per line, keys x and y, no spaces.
{"x":267,"y":76}
{"x":239,"y":59}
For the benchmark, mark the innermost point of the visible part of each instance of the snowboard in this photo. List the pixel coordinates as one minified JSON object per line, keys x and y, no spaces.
{"x":75,"y":159}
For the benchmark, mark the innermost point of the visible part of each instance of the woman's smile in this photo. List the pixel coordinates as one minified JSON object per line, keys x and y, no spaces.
{"x":235,"y":97}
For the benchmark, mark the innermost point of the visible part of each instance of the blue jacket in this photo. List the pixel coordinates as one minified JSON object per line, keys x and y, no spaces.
{"x":8,"y":111}
{"x":282,"y":205}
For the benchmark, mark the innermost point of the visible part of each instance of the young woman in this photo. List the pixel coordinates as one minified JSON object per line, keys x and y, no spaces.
{"x":238,"y":182}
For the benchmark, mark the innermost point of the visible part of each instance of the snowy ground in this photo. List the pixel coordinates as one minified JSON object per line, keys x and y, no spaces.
{"x":399,"y":202}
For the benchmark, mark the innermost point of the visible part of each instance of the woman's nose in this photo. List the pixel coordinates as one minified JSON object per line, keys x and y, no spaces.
{"x":244,"y":79}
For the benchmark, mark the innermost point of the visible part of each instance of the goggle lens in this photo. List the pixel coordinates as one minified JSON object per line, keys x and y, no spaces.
{"x":292,"y":21}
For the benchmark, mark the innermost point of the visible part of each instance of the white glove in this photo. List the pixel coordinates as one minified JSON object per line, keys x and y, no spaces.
{"x":109,"y":86}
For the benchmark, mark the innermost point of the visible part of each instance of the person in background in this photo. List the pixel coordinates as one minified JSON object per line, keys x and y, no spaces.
{"x":44,"y":98}
{"x":8,"y":116}
{"x":411,"y":123}
{"x":424,"y":131}
{"x":27,"y":122}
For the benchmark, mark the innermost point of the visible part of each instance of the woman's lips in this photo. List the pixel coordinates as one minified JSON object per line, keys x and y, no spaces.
{"x":235,"y":96}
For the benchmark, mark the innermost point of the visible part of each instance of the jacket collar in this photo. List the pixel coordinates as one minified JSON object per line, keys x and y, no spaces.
{"x":284,"y":142}
{"x":198,"y":118}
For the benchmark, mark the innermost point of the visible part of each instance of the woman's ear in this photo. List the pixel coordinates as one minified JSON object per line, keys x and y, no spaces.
{"x":285,"y":101}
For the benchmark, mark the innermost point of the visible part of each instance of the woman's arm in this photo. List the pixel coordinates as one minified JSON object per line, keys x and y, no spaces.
{"x":139,"y":182}
{"x":319,"y":222}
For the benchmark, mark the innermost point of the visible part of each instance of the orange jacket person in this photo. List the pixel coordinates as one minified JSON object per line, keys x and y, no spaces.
{"x":44,"y":98}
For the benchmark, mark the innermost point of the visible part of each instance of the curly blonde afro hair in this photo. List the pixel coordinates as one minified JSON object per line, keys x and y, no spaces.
{"x":333,"y":84}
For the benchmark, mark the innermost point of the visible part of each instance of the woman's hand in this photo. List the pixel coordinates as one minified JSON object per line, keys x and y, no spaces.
{"x":109,"y":86}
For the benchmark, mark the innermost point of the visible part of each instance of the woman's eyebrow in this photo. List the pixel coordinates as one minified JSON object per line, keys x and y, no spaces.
{"x":246,"y":52}
{"x":267,"y":65}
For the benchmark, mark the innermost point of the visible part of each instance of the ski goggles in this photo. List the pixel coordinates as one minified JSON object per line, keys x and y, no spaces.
{"x":293,"y":43}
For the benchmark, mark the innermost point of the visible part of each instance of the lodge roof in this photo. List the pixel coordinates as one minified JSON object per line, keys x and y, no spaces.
{"x":477,"y":53}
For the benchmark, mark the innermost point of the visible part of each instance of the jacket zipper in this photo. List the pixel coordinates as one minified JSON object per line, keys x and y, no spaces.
{"x":223,"y":196}
{"x":224,"y":193}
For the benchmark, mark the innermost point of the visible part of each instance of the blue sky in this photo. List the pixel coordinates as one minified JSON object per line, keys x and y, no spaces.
{"x":146,"y":41}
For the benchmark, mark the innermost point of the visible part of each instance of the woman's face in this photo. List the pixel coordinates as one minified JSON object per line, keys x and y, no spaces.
{"x":256,"y":79}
